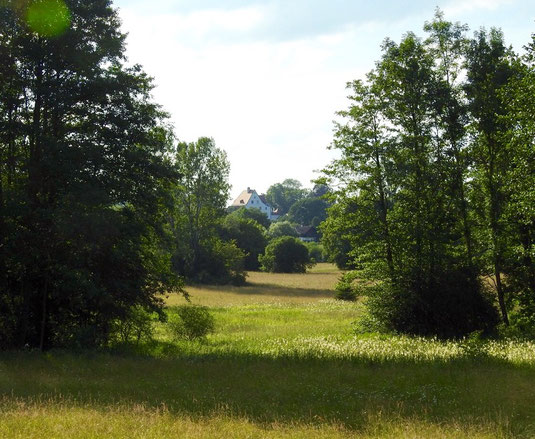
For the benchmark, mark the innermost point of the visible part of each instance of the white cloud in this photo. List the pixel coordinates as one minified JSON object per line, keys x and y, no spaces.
{"x":268,"y":102}
{"x":458,"y":7}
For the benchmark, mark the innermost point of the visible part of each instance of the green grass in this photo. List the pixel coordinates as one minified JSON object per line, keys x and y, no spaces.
{"x":274,"y":368}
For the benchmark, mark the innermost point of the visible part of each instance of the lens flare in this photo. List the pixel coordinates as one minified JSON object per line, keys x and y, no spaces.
{"x":48,"y":18}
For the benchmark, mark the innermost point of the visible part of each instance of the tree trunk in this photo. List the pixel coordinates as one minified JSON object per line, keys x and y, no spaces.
{"x":44,"y":311}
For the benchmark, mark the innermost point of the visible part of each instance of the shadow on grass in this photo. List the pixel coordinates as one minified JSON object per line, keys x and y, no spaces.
{"x":282,"y":390}
{"x":268,"y":290}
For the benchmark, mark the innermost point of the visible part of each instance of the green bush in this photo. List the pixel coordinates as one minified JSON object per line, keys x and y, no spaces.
{"x":315,"y":250}
{"x":247,"y":234}
{"x":345,"y":288}
{"x":135,"y":327}
{"x":220,"y":262}
{"x":451,"y":305}
{"x":191,"y":322}
{"x":281,"y":228}
{"x":286,"y":255}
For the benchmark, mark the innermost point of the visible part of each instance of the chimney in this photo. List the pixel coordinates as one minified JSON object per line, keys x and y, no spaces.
{"x":249,"y":190}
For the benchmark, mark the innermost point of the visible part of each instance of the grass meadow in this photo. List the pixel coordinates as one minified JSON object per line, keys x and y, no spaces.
{"x":282,"y":363}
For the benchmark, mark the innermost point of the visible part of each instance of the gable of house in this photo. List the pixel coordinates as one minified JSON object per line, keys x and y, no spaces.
{"x":251,"y":200}
{"x":307,"y":233}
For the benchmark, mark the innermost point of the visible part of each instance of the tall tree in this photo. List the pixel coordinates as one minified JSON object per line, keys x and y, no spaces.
{"x":489,"y":68}
{"x":447,"y":43}
{"x":84,"y":175}
{"x":201,"y":194}
{"x":366,"y":149}
{"x":399,"y":172}
{"x":519,"y":100}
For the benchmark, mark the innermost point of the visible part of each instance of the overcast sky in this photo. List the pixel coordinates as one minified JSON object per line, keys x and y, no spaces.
{"x":264,"y":78}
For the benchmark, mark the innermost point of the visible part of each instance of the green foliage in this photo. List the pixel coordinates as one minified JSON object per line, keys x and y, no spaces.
{"x":200,"y":196}
{"x":404,"y":211}
{"x":135,"y":327}
{"x":191,"y":322}
{"x":308,"y":211}
{"x":450,"y":307}
{"x":283,"y":195}
{"x":489,"y":68}
{"x":85,"y":171}
{"x":338,"y":232}
{"x":519,"y":183}
{"x":281,"y":228}
{"x":286,"y":255}
{"x":316,"y":252}
{"x":253,"y":214}
{"x":221,"y":262}
{"x":346,"y":289}
{"x":248,"y":235}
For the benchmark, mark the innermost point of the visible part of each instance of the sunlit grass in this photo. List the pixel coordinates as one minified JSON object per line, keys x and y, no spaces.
{"x":51,"y":420}
{"x":317,"y":284}
{"x":277,"y":366}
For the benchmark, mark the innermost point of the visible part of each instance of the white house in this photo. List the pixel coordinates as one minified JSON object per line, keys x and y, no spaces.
{"x":251,"y":200}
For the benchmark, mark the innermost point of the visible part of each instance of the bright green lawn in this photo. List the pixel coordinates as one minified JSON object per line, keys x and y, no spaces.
{"x":278,"y":368}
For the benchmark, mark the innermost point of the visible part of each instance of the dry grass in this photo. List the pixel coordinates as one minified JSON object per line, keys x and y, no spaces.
{"x":137,"y":421}
{"x":267,"y":288}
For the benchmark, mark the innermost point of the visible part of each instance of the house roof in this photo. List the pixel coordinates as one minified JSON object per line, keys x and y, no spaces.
{"x":306,"y":231}
{"x":246,"y":195}
{"x":243,"y":198}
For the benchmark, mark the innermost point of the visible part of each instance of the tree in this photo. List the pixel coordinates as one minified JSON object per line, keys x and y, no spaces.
{"x":282,"y":195}
{"x":201,"y":194}
{"x":84,"y":172}
{"x":308,"y":211}
{"x":248,"y":236}
{"x":401,"y":175}
{"x":489,"y":68}
{"x":253,"y":214}
{"x":282,"y":228}
{"x":286,"y":255}
{"x":518,"y":98}
{"x":337,"y":233}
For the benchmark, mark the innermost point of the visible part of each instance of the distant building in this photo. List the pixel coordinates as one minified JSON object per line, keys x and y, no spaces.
{"x":307,"y":233}
{"x":251,"y":200}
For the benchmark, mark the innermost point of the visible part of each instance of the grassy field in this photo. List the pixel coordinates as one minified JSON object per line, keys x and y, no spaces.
{"x":318,"y":283}
{"x":283,"y":362}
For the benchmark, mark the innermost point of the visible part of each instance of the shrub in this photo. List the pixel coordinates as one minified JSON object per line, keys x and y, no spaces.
{"x":248,"y":235}
{"x":345,"y":289}
{"x":220,"y":262}
{"x":281,"y":228}
{"x":315,"y":251}
{"x":286,"y":255}
{"x":135,"y":327}
{"x":451,"y":305}
{"x":191,"y":322}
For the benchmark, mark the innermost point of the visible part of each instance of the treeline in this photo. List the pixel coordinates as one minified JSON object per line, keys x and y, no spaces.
{"x":435,"y":199}
{"x":273,"y":245}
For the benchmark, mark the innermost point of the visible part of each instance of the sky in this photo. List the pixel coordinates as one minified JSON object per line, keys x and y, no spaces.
{"x":265,"y":78}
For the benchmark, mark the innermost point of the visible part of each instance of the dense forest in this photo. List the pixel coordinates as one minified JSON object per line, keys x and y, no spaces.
{"x":103,"y":210}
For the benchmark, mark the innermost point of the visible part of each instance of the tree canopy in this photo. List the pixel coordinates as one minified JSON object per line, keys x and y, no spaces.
{"x":424,"y":199}
{"x":281,"y":196}
{"x":200,"y":197}
{"x":85,"y":163}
